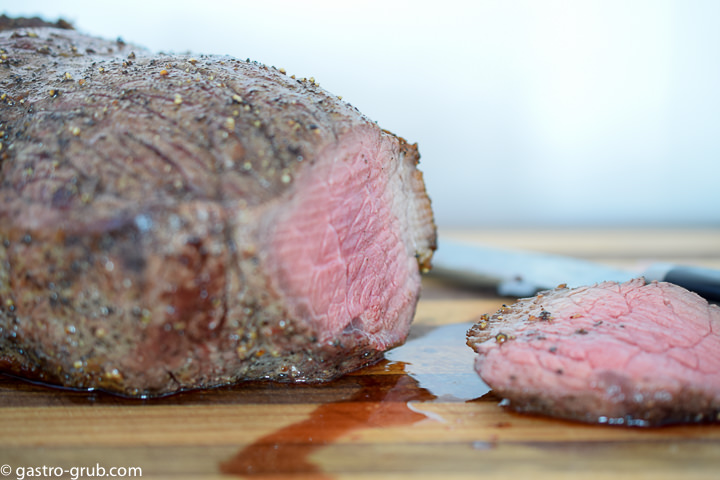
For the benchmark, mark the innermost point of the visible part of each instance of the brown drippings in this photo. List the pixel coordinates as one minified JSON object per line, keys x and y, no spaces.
{"x":433,"y":366}
{"x":379,"y":401}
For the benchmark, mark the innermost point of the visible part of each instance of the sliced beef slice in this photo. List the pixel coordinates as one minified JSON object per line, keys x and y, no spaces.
{"x":626,"y":353}
{"x":171,"y":222}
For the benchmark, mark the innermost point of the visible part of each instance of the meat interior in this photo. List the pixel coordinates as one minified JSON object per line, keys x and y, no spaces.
{"x":342,"y":249}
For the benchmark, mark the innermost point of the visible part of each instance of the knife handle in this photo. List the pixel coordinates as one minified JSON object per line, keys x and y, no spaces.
{"x":703,"y":281}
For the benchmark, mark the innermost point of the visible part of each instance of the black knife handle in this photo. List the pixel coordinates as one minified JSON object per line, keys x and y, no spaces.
{"x":703,"y":281}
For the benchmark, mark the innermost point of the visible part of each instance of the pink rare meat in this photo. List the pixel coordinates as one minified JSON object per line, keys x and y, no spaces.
{"x":617,"y":353}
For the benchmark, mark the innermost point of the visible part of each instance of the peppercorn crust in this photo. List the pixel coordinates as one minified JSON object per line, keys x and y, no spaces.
{"x":137,"y":194}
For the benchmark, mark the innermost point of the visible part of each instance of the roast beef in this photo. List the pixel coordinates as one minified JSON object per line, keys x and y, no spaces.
{"x":174,"y":221}
{"x":627,"y":353}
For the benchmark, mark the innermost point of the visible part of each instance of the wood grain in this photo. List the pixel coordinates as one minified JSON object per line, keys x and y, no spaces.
{"x":381,"y":422}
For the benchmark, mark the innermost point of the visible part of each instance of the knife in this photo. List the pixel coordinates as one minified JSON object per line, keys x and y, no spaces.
{"x":523,"y":273}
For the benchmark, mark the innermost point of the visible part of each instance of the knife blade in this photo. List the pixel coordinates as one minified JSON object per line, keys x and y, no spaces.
{"x":522,"y":273}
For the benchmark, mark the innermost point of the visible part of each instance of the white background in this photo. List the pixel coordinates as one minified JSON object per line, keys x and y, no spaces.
{"x":527,"y":113}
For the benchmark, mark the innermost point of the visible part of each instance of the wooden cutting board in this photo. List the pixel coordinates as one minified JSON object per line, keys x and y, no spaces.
{"x":420,"y":413}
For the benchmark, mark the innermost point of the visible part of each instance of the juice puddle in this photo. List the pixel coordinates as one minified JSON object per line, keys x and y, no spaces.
{"x":442,"y":363}
{"x":379,"y":401}
{"x":437,"y":366}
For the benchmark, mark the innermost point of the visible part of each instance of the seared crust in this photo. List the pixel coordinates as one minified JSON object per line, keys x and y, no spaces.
{"x":131,"y":188}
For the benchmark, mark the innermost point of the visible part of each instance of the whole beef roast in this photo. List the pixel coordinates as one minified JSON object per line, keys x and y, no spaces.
{"x":172,"y":222}
{"x":626,"y":353}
